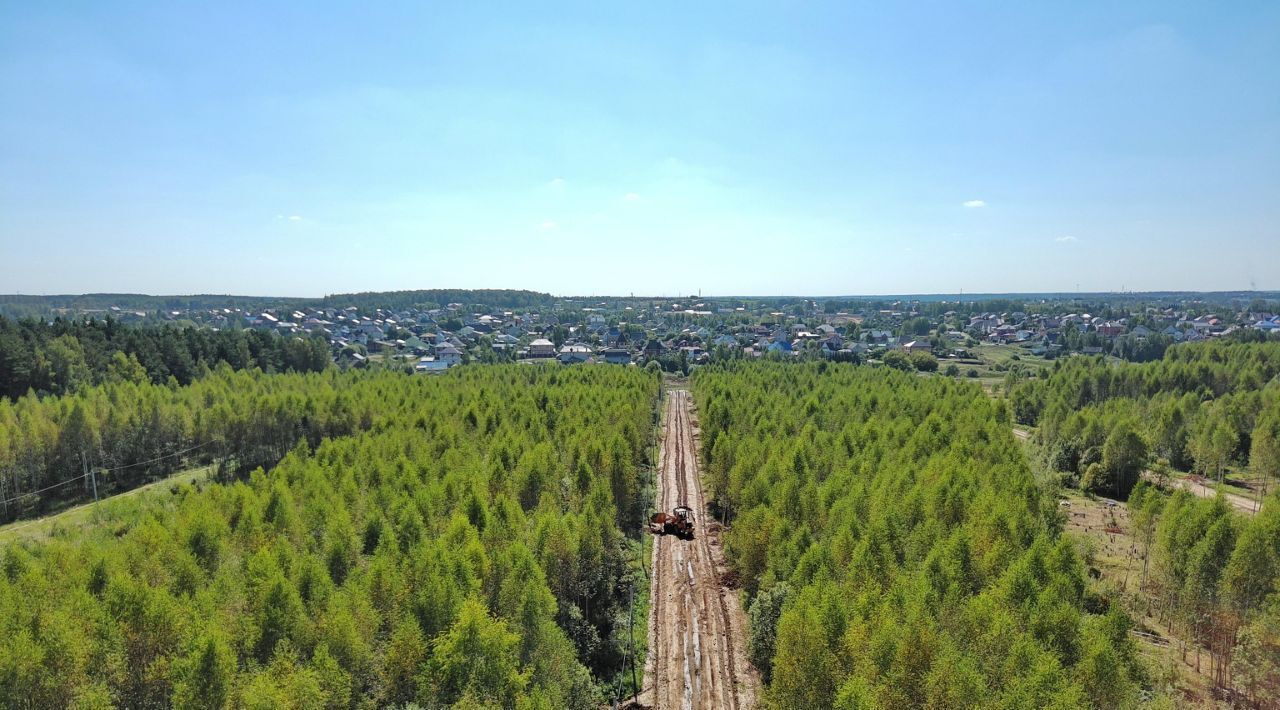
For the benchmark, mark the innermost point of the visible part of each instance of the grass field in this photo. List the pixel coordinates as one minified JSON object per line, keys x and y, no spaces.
{"x":87,"y":515}
{"x":992,"y":362}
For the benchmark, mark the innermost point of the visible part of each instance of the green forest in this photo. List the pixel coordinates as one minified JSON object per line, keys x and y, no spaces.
{"x":895,"y":548}
{"x":450,"y":540}
{"x":129,"y":431}
{"x":1208,"y":573}
{"x":1211,"y":576}
{"x":374,"y":539}
{"x":1204,"y":407}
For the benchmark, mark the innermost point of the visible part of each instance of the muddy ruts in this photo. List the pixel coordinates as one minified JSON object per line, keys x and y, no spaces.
{"x":696,"y":627}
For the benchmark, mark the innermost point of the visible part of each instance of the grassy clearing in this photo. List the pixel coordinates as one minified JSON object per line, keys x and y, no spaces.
{"x":80,"y":518}
{"x":991,"y":362}
{"x":997,"y":358}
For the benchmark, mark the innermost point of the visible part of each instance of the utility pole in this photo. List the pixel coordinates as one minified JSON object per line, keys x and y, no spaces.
{"x":90,"y":474}
{"x":631,"y":630}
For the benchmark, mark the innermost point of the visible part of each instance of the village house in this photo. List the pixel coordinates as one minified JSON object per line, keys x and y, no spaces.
{"x":574,"y":353}
{"x":617,"y":356}
{"x":542,"y":348}
{"x":449,"y":354}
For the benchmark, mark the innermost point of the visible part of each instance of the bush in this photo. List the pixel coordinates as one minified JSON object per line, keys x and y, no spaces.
{"x":924,"y":362}
{"x":897,"y":360}
{"x":762,"y":626}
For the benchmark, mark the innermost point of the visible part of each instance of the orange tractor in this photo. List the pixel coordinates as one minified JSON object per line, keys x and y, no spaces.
{"x":678,"y":522}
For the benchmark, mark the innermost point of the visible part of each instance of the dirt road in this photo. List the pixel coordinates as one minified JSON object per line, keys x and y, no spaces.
{"x":697,"y":629}
{"x":1198,"y":488}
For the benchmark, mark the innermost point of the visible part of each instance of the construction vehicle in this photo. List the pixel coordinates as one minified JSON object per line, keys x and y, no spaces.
{"x":678,"y":522}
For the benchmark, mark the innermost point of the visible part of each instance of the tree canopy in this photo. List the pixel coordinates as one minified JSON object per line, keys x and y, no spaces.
{"x":894,"y":547}
{"x":456,"y":539}
{"x":1200,"y":408}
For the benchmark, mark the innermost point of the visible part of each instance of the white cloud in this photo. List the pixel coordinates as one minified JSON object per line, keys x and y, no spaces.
{"x":631,"y":197}
{"x":556,"y":183}
{"x":1065,"y":238}
{"x":547,"y":225}
{"x":974,"y":203}
{"x":295,"y":218}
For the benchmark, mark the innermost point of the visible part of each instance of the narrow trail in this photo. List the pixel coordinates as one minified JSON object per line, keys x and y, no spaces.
{"x":697,"y":629}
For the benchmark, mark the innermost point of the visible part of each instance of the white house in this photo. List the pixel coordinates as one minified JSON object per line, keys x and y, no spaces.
{"x":575,"y":353}
{"x":430,"y":364}
{"x":448,"y":354}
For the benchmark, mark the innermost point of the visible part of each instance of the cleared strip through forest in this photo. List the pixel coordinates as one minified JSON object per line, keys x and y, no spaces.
{"x":697,"y":629}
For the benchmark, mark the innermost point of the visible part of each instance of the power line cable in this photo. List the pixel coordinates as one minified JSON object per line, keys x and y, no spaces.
{"x":6,"y":501}
{"x":158,"y":458}
{"x":42,"y":490}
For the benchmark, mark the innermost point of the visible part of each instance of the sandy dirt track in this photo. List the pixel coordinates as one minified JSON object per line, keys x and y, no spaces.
{"x":1199,"y":489}
{"x":697,"y":629}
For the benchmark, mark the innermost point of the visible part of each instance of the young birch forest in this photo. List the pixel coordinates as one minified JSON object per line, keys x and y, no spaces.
{"x":454,"y":540}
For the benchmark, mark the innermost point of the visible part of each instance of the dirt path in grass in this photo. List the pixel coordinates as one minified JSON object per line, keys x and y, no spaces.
{"x":1203,"y":490}
{"x":697,"y":629}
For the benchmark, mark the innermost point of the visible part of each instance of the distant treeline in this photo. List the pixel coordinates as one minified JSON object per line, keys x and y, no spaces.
{"x":930,"y":308}
{"x":396,"y":300}
{"x":20,"y":305}
{"x":65,"y":355}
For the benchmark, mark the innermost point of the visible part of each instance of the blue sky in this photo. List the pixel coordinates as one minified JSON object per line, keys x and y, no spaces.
{"x":800,"y":148}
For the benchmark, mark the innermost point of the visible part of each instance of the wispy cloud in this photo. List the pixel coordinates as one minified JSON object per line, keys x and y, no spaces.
{"x":974,"y":203}
{"x":547,"y":226}
{"x":1065,"y":238}
{"x":556,"y":183}
{"x":631,"y":197}
{"x":295,"y":218}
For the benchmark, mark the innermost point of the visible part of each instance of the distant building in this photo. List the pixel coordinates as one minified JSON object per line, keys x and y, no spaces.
{"x":430,"y":364}
{"x":542,"y":348}
{"x":617,"y":356}
{"x":570,"y":354}
{"x":449,"y":354}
